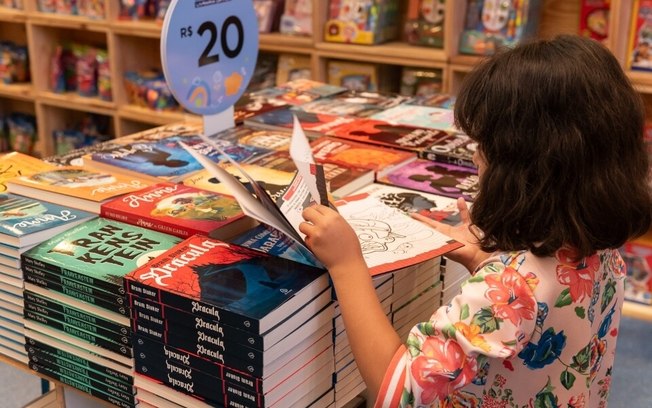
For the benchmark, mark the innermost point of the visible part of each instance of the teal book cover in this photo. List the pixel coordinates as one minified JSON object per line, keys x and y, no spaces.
{"x":99,"y":252}
{"x":25,"y":221}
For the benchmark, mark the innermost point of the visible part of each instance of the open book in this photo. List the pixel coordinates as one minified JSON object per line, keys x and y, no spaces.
{"x":396,"y":240}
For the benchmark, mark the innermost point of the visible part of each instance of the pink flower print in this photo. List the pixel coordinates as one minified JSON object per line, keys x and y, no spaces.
{"x":441,"y":368}
{"x":511,"y":296}
{"x":578,"y":276}
{"x":578,"y":401}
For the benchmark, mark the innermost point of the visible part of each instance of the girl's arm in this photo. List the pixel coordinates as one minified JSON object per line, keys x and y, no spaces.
{"x":372,"y":338}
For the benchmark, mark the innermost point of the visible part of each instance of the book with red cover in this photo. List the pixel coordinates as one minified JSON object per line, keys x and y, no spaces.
{"x":379,"y":132}
{"x":179,"y":210}
{"x":436,"y":178}
{"x":229,"y":283}
{"x":362,"y":155}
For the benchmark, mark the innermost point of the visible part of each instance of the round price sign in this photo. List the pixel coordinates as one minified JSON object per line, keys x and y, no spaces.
{"x":209,"y":50}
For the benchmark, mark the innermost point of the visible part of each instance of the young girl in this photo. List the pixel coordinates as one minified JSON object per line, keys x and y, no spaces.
{"x":563,"y":183}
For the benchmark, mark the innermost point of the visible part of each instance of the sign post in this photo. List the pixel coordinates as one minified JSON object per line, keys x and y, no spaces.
{"x":208,"y":51}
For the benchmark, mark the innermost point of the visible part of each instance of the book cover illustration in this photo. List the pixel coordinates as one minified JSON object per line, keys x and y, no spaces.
{"x":455,"y":149}
{"x":76,"y":157}
{"x":362,"y":21}
{"x":637,"y":255}
{"x":437,"y":100}
{"x":25,"y":221}
{"x":425,"y":22}
{"x":276,"y":140}
{"x":255,"y":103}
{"x":163,"y":132}
{"x":436,"y":207}
{"x":367,"y":156}
{"x":270,"y":241}
{"x":230,"y":277}
{"x":390,"y":239}
{"x":300,"y":91}
{"x":297,"y":18}
{"x":17,"y":164}
{"x":594,"y":19}
{"x":178,"y":210}
{"x":382,"y":133}
{"x":640,"y":41}
{"x":354,"y":103}
{"x":100,"y":250}
{"x":314,"y":123}
{"x":77,"y":186}
{"x":437,"y":178}
{"x":293,"y":66}
{"x":419,"y":116}
{"x":274,"y":182}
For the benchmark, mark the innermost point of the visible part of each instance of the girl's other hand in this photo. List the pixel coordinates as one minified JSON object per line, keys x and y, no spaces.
{"x":330,"y":237}
{"x":470,"y":255}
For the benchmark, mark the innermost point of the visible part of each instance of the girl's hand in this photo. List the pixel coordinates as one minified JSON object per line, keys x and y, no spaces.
{"x":330,"y":237}
{"x":470,"y":255}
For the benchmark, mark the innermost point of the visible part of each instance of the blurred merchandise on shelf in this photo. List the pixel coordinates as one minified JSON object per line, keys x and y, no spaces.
{"x":297,"y":18}
{"x":293,"y":66}
{"x":143,"y":9}
{"x":17,"y":4}
{"x":491,"y":24}
{"x":14,"y":63}
{"x":640,"y":40}
{"x":435,"y":100}
{"x":88,"y":131}
{"x":362,"y":21}
{"x":269,"y":14}
{"x":17,"y":132}
{"x":359,"y":76}
{"x":421,"y":81}
{"x":148,"y":89}
{"x":425,"y":23}
{"x":95,"y":9}
{"x":82,"y":69}
{"x":638,"y":258}
{"x":265,"y":74}
{"x":594,"y":19}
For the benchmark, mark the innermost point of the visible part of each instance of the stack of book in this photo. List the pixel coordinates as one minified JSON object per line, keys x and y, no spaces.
{"x":220,"y":324}
{"x":24,"y":222}
{"x":453,"y":275}
{"x":77,"y":327}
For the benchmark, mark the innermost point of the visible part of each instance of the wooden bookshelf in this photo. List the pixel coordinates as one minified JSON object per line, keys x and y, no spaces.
{"x":134,"y":45}
{"x":637,"y":310}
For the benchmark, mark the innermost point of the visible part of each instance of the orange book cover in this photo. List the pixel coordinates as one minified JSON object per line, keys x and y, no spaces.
{"x":17,"y":164}
{"x":75,"y":186}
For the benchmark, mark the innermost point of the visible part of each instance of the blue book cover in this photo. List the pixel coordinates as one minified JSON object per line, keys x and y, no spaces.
{"x":166,"y":159}
{"x":25,"y":221}
{"x":270,"y":241}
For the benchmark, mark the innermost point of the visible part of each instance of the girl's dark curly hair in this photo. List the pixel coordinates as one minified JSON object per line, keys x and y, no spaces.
{"x":561,"y":129}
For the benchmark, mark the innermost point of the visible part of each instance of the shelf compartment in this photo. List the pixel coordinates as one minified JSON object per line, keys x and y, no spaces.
{"x":17,"y":91}
{"x":10,"y":15}
{"x":277,"y":42}
{"x":392,"y":53}
{"x":140,"y":114}
{"x":67,"y":21}
{"x":151,"y":29}
{"x":642,"y":80}
{"x":71,"y":100}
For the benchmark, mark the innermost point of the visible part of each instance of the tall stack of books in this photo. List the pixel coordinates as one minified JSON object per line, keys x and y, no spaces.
{"x":220,"y":324}
{"x":453,"y":275}
{"x":77,"y":327}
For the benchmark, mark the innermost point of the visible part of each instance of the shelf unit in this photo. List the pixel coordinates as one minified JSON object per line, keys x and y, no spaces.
{"x":126,"y":39}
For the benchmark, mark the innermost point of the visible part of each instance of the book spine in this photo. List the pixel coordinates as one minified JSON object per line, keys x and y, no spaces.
{"x":442,"y":158}
{"x":86,"y":385}
{"x":84,"y":335}
{"x":32,"y":345}
{"x":149,"y":351}
{"x":203,"y":345}
{"x":196,"y":307}
{"x":200,"y":385}
{"x":78,"y":323}
{"x":35,"y":301}
{"x":57,"y":287}
{"x":53,"y":362}
{"x":70,"y":274}
{"x":141,"y":311}
{"x":157,"y":225}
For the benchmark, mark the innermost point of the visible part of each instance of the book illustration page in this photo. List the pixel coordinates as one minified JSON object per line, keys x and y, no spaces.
{"x":387,"y":235}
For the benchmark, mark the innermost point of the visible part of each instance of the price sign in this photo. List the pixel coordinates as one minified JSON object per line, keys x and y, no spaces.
{"x":209,"y":50}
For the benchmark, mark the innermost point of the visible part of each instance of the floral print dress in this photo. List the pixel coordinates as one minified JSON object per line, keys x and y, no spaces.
{"x":525,"y":331}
